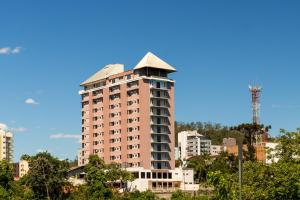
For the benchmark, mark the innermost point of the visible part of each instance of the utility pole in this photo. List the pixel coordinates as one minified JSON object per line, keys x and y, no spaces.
{"x":240,"y":154}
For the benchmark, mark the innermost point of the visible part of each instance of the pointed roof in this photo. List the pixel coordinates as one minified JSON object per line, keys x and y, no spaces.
{"x":107,"y":71}
{"x":151,"y":60}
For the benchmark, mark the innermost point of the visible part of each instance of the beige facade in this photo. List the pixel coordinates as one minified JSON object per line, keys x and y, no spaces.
{"x":23,"y":168}
{"x":191,"y":143}
{"x":20,"y":169}
{"x":6,"y":145}
{"x":128,"y":116}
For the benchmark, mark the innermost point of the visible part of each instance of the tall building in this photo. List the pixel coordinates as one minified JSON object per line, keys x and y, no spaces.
{"x":191,"y":143}
{"x":6,"y":145}
{"x":128,"y":116}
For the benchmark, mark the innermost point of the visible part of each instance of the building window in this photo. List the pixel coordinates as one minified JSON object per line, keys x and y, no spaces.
{"x":143,"y":175}
{"x":165,"y":175}
{"x":154,"y":175}
{"x":154,"y":185}
{"x":159,"y":175}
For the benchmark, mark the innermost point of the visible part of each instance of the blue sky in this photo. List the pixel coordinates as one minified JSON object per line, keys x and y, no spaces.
{"x":219,"y":47}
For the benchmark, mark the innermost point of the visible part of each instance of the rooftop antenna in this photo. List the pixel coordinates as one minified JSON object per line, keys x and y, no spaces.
{"x":255,"y":92}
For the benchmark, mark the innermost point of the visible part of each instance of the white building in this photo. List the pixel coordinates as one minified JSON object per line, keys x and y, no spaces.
{"x":191,"y":144}
{"x":216,"y":150}
{"x":163,"y":180}
{"x":158,"y":181}
{"x":177,"y":155}
{"x":6,"y":145}
{"x":23,"y":168}
{"x":271,"y":152}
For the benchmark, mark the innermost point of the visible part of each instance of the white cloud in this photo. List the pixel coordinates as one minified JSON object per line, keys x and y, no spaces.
{"x":9,"y":50}
{"x":31,"y":101}
{"x":16,"y":50}
{"x":65,"y":136}
{"x":6,"y":128}
{"x":5,"y":50}
{"x":20,"y":129}
{"x":3,"y":126}
{"x":285,"y":106}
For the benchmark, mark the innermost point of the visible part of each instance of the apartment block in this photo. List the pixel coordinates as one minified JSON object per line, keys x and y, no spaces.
{"x":216,"y":150}
{"x":6,"y":145}
{"x":128,"y":116}
{"x":20,"y":169}
{"x":191,"y":143}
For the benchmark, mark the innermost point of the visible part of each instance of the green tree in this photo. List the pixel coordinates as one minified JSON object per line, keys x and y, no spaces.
{"x":148,"y":195}
{"x":100,"y":178}
{"x":201,"y":165}
{"x":224,"y":184}
{"x":276,"y":181}
{"x":6,"y":174}
{"x":9,"y":189}
{"x":180,"y":195}
{"x":250,"y":131}
{"x":47,"y":177}
{"x":6,"y":179}
{"x":288,"y":149}
{"x":225,"y":163}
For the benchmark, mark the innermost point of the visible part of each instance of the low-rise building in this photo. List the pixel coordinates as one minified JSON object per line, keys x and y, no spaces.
{"x":158,"y":181}
{"x":216,"y":150}
{"x":162,"y":180}
{"x":271,"y":152}
{"x":23,"y":167}
{"x":20,"y":169}
{"x":191,"y":143}
{"x":266,"y":152}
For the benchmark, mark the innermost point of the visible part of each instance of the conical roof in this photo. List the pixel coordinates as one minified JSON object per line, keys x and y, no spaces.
{"x":151,"y":60}
{"x":107,"y":71}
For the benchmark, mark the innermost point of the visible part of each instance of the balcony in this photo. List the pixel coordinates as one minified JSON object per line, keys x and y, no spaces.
{"x":116,"y":91}
{"x":160,"y":142}
{"x":160,"y":139}
{"x":160,"y":121}
{"x":160,"y":148}
{"x":160,"y":165}
{"x":160,"y":159}
{"x":132,"y":87}
{"x":155,"y":114}
{"x":84,"y":99}
{"x":159,"y":96}
{"x":158,"y":124}
{"x":160,"y":105}
{"x":158,"y":88}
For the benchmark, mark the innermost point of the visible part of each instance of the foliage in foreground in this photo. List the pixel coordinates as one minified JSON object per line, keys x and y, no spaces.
{"x":276,"y":181}
{"x":47,"y":178}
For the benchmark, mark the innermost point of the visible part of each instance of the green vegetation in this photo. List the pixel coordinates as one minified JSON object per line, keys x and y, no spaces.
{"x":279,"y":180}
{"x":99,"y":180}
{"x":47,"y":177}
{"x":216,"y":132}
{"x":8,"y":188}
{"x":217,"y":176}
